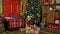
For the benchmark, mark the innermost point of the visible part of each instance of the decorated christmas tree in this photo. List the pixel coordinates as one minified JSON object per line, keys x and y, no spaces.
{"x":33,"y":10}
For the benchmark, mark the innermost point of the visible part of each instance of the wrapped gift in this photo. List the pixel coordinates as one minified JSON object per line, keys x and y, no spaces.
{"x":12,"y":23}
{"x":56,"y":26}
{"x":32,"y":31}
{"x":50,"y":25}
{"x":28,"y":28}
{"x":23,"y":23}
{"x":53,"y":26}
{"x":22,"y":30}
{"x":36,"y":31}
{"x":20,"y":23}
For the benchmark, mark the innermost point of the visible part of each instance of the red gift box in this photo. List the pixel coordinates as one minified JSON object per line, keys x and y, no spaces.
{"x":49,"y":25}
{"x":56,"y":26}
{"x":12,"y":23}
{"x":53,"y":26}
{"x":23,"y":23}
{"x":20,"y":23}
{"x":16,"y":23}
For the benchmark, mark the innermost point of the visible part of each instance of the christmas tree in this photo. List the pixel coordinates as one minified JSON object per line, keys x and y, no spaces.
{"x":33,"y":10}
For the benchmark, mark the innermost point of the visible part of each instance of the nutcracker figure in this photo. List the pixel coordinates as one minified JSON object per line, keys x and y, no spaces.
{"x":28,"y":20}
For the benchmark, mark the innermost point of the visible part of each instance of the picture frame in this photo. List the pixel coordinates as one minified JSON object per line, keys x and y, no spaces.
{"x":58,"y":7}
{"x":57,"y":1}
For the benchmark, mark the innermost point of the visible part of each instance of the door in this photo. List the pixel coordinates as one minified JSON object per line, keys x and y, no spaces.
{"x":11,"y":8}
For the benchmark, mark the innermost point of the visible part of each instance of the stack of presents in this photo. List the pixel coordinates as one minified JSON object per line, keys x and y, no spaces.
{"x":11,"y":13}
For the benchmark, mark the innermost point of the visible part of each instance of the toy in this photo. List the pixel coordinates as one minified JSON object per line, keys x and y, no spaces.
{"x":35,"y":29}
{"x":28,"y":28}
{"x":28,"y":20}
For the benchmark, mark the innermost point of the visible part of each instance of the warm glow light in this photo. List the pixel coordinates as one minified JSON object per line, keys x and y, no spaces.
{"x":51,"y":8}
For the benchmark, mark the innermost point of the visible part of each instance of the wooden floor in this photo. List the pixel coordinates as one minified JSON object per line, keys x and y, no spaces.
{"x":44,"y":31}
{"x":15,"y":32}
{"x":50,"y":31}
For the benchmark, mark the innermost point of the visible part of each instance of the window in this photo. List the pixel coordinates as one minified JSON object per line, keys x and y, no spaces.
{"x":57,"y":1}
